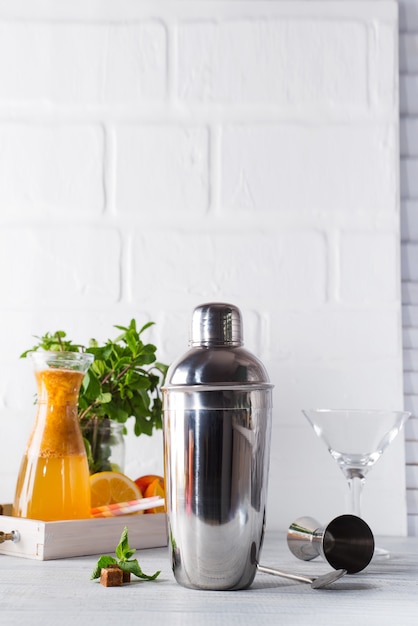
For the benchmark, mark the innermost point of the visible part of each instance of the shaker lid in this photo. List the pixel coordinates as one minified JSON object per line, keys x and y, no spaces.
{"x":216,"y":324}
{"x":216,"y":357}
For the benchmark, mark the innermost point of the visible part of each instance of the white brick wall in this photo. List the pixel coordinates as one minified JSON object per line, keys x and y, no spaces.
{"x":51,"y":167}
{"x":252,"y":180}
{"x":156,"y":155}
{"x":173,"y":153}
{"x":273,"y":67}
{"x":48,"y":66}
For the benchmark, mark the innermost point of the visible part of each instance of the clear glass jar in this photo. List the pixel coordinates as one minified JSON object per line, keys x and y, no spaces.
{"x":105,"y":444}
{"x":53,"y":481}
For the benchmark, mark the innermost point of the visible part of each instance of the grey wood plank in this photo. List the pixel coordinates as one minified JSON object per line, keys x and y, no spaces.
{"x":60,"y":592}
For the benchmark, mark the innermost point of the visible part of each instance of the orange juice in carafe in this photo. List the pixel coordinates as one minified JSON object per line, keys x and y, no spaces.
{"x":53,"y":481}
{"x":52,"y":488}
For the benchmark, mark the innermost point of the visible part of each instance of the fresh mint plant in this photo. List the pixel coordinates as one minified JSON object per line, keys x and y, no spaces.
{"x":124,"y":561}
{"x":54,"y":342}
{"x":123,"y":381}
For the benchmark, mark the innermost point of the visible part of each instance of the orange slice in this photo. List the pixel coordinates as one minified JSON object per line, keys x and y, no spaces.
{"x":144,"y":481}
{"x":112,"y":487}
{"x":155,"y":488}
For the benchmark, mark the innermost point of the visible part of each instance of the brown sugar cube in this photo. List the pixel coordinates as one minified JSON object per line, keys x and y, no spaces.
{"x":126,"y":576}
{"x":111,"y":577}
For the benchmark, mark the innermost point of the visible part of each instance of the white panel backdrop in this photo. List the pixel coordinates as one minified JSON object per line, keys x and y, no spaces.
{"x":157,"y":155}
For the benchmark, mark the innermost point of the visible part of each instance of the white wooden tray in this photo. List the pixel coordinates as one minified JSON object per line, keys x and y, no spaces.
{"x":56,"y":540}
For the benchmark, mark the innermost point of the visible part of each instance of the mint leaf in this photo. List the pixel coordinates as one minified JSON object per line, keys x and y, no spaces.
{"x":104,"y":561}
{"x":133,"y":567}
{"x":123,"y":550}
{"x":104,"y":398}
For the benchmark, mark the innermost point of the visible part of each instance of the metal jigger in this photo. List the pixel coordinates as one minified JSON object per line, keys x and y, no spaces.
{"x":346,"y":543}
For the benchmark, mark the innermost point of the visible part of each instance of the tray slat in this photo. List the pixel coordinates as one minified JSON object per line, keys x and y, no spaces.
{"x":55,"y":540}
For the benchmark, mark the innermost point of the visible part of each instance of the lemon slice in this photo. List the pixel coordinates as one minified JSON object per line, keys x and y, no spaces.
{"x":112,"y":487}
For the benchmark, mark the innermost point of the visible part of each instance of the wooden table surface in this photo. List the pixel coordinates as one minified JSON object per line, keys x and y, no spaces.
{"x":60,"y":593}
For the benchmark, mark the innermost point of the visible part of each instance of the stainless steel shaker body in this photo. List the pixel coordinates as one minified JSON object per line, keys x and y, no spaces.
{"x":217,"y":424}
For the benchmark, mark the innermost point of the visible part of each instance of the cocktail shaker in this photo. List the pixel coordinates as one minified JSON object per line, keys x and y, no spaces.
{"x":217,"y":404}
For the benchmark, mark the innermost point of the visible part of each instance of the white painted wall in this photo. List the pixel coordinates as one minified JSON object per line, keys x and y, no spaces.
{"x":157,"y":155}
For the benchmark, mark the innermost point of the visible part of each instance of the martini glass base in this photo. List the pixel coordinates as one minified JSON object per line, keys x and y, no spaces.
{"x":381,"y":553}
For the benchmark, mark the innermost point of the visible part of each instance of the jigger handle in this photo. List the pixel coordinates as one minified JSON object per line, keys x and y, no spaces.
{"x":12,"y":536}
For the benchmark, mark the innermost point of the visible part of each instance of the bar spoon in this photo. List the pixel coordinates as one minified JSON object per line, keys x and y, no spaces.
{"x":316,"y":583}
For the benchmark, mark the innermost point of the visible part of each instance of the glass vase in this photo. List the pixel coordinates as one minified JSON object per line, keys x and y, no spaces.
{"x":53,"y":481}
{"x":105,"y":444}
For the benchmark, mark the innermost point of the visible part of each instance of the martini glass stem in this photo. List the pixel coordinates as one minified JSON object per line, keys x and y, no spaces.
{"x":355,"y":482}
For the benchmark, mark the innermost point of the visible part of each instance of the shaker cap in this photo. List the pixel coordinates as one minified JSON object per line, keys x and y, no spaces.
{"x":216,"y":357}
{"x":216,"y":324}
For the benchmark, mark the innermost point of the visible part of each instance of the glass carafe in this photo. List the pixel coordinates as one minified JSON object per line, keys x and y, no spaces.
{"x":53,"y":481}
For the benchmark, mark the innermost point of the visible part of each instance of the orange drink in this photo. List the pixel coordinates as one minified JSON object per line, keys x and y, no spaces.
{"x":53,"y":481}
{"x":52,"y":488}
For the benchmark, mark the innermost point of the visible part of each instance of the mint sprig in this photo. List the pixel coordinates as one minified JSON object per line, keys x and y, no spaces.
{"x":124,"y":553}
{"x":123,"y":383}
{"x":104,"y":561}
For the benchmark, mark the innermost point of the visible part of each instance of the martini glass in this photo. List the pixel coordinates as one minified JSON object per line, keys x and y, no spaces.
{"x":356,"y":439}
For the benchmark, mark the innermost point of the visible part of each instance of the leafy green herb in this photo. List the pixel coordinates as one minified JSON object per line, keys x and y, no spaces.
{"x":104,"y":561}
{"x":123,"y":381}
{"x":124,"y":561}
{"x":54,"y":342}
